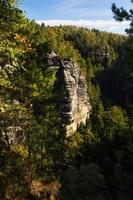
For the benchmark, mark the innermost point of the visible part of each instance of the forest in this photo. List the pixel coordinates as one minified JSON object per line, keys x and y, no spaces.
{"x":37,"y":160}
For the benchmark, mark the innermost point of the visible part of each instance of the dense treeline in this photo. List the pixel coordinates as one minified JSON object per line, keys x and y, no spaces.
{"x":94,"y":163}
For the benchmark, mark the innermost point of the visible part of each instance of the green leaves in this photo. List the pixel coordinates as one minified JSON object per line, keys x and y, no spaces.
{"x":121,"y":14}
{"x":115,"y":121}
{"x":33,"y":143}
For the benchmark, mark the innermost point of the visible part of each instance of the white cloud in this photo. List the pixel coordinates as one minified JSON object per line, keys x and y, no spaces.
{"x":104,"y":25}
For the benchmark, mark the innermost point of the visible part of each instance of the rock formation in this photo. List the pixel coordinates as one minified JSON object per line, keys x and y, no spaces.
{"x":74,"y":104}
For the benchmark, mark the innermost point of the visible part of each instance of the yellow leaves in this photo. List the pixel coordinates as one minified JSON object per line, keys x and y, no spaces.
{"x":21,"y":150}
{"x":35,"y":94}
{"x":52,"y":33}
{"x":34,"y":89}
{"x":34,"y":86}
{"x":20,"y":38}
{"x":30,"y":49}
{"x":24,"y":42}
{"x":51,"y":80}
{"x":39,"y":188}
{"x":2,"y":109}
{"x":5,"y":83}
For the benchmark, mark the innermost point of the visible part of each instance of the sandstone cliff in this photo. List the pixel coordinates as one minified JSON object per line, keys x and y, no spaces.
{"x":74,"y":105}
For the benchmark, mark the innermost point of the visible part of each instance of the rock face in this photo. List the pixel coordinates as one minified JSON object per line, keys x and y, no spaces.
{"x":75,"y":105}
{"x":71,"y":86}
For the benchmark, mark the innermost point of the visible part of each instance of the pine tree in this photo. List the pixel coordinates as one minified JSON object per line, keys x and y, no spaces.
{"x":121,"y":14}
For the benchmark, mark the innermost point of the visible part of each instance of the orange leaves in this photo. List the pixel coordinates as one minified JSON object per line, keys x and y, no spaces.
{"x":22,"y":40}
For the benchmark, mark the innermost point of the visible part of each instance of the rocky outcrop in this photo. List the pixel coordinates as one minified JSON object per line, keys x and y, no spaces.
{"x":74,"y":106}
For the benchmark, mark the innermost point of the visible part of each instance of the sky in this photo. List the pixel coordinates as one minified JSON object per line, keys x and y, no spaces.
{"x":85,"y":13}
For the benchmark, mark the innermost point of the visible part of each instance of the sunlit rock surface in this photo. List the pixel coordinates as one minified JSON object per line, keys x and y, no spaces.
{"x":74,"y":104}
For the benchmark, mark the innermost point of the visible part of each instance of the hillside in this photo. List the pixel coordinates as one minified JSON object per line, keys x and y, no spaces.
{"x":38,"y":159}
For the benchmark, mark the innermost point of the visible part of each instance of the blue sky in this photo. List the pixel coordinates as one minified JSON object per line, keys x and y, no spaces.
{"x":88,"y":13}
